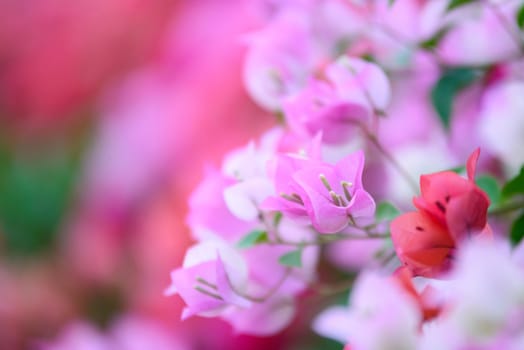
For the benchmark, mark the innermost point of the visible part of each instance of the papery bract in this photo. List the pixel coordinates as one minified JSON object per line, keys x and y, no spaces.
{"x":248,"y":166}
{"x":380,"y":316}
{"x":485,"y":301}
{"x":211,"y":277}
{"x":208,"y":209}
{"x":264,"y":319}
{"x":451,"y":209}
{"x":330,"y":195}
{"x":290,"y":281}
{"x":279,"y":59}
{"x":457,"y":203}
{"x":501,"y":114}
{"x":360,"y":82}
{"x":481,"y":34}
{"x":429,"y":305}
{"x":422,"y":244}
{"x":319,"y":108}
{"x":488,"y":293}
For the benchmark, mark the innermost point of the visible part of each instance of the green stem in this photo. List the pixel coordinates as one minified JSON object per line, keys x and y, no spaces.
{"x":326,"y":289}
{"x":507,"y":208}
{"x":391,"y":159}
{"x":323,"y":239}
{"x":270,"y":292}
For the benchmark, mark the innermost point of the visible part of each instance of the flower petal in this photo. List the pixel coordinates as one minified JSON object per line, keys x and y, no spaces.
{"x":471,"y":164}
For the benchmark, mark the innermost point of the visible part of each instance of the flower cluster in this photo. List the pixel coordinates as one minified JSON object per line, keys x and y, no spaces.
{"x":476,"y":312}
{"x":259,"y":222}
{"x":370,"y":96}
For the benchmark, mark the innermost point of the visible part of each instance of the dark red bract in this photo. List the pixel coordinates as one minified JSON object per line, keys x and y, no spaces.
{"x":450,"y":210}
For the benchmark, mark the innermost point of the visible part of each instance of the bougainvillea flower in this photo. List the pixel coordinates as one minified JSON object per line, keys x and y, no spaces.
{"x":209,"y":211}
{"x":278,"y":60}
{"x":457,"y":203}
{"x":319,"y":108}
{"x":289,"y":198}
{"x":429,"y":307}
{"x":378,"y":306}
{"x":483,"y":301}
{"x":263,"y":319}
{"x":330,"y":195}
{"x":422,"y":244}
{"x":501,"y":114}
{"x":264,"y":277}
{"x":360,"y":82}
{"x":210,"y":279}
{"x":479,"y":300}
{"x":451,"y":209}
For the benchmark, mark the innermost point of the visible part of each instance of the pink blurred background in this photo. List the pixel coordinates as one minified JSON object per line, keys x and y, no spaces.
{"x":109,"y":111}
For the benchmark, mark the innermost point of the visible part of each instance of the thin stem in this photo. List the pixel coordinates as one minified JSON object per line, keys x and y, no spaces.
{"x":270,"y":291}
{"x":374,"y":140}
{"x":387,"y":258}
{"x":507,"y":208}
{"x":327,"y":289}
{"x":323,"y":239}
{"x":270,"y":228}
{"x":254,"y":299}
{"x":389,"y":157}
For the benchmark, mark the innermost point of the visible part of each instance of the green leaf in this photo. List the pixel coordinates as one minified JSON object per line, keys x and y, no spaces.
{"x":457,"y":3}
{"x":520,"y":17}
{"x":292,"y":259}
{"x":517,"y":230}
{"x":515,"y":185}
{"x":458,"y":169}
{"x":277,"y":218}
{"x":490,"y":185}
{"x":253,"y":238}
{"x":386,"y":211}
{"x":433,"y":42}
{"x":37,"y":188}
{"x":444,"y":91}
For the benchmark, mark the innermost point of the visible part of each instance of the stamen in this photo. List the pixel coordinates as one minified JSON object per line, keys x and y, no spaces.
{"x":335,"y":198}
{"x":206,"y":283}
{"x":208,"y":293}
{"x":295,"y":198}
{"x":342,"y":201}
{"x":345,"y":187}
{"x":325,"y":182}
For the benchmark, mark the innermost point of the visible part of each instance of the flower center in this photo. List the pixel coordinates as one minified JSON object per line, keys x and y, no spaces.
{"x":337,"y":199}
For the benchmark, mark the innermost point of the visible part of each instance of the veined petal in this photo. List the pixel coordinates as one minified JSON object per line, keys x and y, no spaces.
{"x":225,"y":287}
{"x":467,"y":214}
{"x":362,"y":204}
{"x":471,"y":164}
{"x":350,"y":168}
{"x":421,"y":243}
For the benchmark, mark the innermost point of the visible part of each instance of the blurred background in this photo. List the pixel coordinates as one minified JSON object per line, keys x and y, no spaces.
{"x":109,"y":111}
